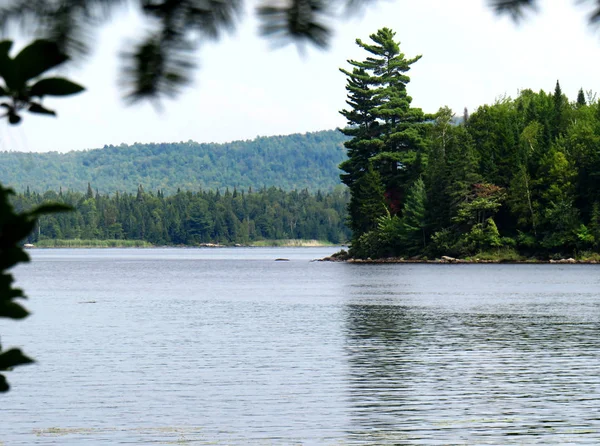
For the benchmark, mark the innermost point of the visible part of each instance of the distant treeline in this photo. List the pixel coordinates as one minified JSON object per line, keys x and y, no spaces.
{"x":192,"y":218}
{"x":293,"y":162}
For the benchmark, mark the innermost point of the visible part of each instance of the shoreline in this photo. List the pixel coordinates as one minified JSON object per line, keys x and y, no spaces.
{"x":478,"y":262}
{"x":462,"y":261}
{"x":108,"y":244}
{"x":342,"y":256}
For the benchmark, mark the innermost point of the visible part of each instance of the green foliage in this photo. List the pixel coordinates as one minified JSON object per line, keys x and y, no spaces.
{"x":484,"y":200}
{"x":392,"y":235}
{"x":520,"y":201}
{"x":495,"y":133}
{"x":563,"y":218}
{"x":581,"y":98}
{"x":482,"y":237}
{"x":451,"y":171}
{"x":18,"y":73}
{"x":14,"y":227}
{"x":584,"y":236}
{"x":78,"y":243}
{"x":368,"y":245}
{"x":386,"y":151}
{"x":594,"y":225}
{"x":291,"y":162}
{"x":466,"y":242}
{"x":589,"y":256}
{"x":367,"y":202}
{"x":506,"y":254}
{"x":413,"y":219}
{"x":519,"y":175}
{"x":34,"y":60}
{"x":381,"y":241}
{"x":444,"y":241}
{"x":188,"y":218}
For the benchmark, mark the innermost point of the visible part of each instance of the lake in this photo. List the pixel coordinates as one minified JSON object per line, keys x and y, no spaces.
{"x":230,"y":347}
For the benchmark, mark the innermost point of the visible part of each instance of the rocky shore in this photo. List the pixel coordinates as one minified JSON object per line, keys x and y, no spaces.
{"x":343,"y":256}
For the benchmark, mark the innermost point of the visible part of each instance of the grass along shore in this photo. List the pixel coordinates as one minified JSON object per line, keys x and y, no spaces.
{"x":78,"y":243}
{"x":291,"y":243}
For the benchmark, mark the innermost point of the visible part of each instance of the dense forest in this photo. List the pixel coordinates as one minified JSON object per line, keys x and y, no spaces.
{"x":192,"y":218}
{"x":516,"y":178}
{"x":292,"y":162}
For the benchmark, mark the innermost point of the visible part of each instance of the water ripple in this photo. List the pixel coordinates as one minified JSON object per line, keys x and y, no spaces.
{"x":182,"y":348}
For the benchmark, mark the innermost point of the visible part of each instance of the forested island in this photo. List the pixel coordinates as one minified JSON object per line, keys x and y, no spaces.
{"x":188,"y":218}
{"x":516,"y":179}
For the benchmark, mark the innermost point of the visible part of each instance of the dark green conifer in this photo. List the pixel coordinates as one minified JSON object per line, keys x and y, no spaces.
{"x":558,"y":115}
{"x":367,"y":203}
{"x":580,"y":98}
{"x":140,"y":193}
{"x":386,"y":131}
{"x":413,"y":220}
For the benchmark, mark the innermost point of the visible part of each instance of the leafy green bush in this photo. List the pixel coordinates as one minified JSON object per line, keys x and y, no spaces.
{"x":505,"y":254}
{"x":589,"y":256}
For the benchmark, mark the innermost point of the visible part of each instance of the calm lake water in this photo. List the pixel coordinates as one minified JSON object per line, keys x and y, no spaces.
{"x":229,"y":347}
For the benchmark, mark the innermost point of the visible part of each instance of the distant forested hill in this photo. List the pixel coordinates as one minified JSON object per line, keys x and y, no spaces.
{"x":294,"y":162}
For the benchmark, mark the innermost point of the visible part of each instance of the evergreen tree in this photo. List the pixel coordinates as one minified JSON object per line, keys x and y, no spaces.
{"x":363,"y":126}
{"x":594,"y":224}
{"x":400,"y":138}
{"x":387,"y":134}
{"x":140,"y":193}
{"x":559,"y":112}
{"x":451,"y":172}
{"x":580,"y":98}
{"x":495,"y":130}
{"x":413,"y":220}
{"x":90,"y":192}
{"x":367,"y":203}
{"x":560,"y":217}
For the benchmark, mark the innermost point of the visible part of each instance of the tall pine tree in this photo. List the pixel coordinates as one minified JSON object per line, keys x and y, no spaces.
{"x":386,"y":131}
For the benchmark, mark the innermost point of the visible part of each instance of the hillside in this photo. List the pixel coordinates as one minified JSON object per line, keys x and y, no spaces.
{"x":290,"y":162}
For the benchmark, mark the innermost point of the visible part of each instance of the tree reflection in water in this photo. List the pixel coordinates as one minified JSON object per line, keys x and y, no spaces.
{"x":467,"y":365}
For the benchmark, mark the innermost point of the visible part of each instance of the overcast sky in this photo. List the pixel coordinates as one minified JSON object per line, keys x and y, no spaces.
{"x":243,"y":89}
